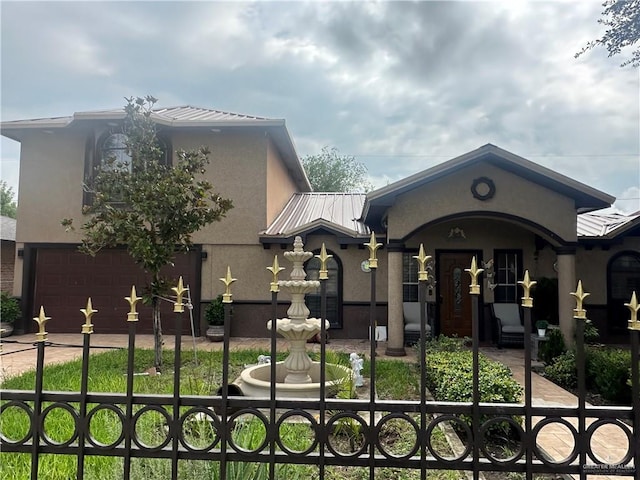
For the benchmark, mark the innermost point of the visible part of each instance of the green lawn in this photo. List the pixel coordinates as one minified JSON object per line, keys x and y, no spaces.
{"x":107,"y":373}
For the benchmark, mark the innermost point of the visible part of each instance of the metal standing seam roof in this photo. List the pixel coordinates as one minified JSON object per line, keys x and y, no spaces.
{"x":8,"y":228}
{"x":339,"y":210}
{"x":603,"y":224}
{"x":175,"y":116}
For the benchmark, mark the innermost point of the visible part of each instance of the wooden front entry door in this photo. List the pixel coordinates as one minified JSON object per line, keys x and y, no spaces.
{"x":453,"y":286}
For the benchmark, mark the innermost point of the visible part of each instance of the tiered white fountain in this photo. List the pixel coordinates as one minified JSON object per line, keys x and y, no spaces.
{"x":297,"y":376}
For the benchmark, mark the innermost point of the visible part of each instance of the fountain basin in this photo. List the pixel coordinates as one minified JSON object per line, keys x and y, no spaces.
{"x":256,"y":381}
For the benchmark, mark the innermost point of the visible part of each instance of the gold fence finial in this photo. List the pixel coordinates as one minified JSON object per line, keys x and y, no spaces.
{"x":373,"y":246}
{"x":178,"y":306}
{"x":422,"y":260}
{"x":227,"y":280}
{"x":527,"y":284}
{"x":324,"y":273}
{"x":474,"y":271}
{"x":132,"y":316}
{"x":41,"y":320}
{"x":633,"y":307}
{"x":88,"y":312}
{"x":580,"y":295}
{"x":275,"y":269}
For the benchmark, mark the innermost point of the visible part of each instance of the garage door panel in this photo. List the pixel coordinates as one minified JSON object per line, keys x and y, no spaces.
{"x":65,"y":279}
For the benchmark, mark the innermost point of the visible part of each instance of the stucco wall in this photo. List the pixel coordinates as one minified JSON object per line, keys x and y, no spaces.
{"x":591,"y":268}
{"x":452,"y":195}
{"x":485,"y":235}
{"x":51,"y":176}
{"x":249,"y":262}
{"x":237,"y":170}
{"x":280,"y":185}
{"x":52,"y":172}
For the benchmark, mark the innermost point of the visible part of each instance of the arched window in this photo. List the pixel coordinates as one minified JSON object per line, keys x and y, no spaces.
{"x":623,"y":278}
{"x":334,"y":290}
{"x":113,"y":151}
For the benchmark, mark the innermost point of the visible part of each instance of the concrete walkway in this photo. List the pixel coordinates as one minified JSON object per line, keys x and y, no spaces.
{"x":609,"y":442}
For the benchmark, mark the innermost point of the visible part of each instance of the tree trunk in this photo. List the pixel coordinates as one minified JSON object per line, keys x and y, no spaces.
{"x":157,"y":332}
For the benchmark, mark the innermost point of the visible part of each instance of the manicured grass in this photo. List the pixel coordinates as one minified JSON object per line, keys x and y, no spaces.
{"x":107,"y":373}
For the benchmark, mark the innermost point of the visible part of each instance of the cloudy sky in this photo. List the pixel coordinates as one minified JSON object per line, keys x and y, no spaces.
{"x":400,"y":86}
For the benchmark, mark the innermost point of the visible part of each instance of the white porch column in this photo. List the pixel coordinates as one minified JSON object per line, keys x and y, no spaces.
{"x":395,"y":326}
{"x":566,"y":258}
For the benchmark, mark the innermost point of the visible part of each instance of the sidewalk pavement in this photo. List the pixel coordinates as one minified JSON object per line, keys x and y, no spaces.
{"x":608,"y":443}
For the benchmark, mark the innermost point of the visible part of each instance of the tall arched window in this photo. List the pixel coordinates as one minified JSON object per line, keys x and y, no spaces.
{"x":623,"y":278}
{"x":334,"y":290}
{"x":113,"y":151}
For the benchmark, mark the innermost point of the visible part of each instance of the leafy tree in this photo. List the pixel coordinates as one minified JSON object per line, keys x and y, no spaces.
{"x":150,"y":207}
{"x":622,"y":19}
{"x":8,"y":207}
{"x":331,"y":172}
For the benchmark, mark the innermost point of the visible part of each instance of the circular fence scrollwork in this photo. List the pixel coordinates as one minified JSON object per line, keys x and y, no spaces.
{"x":392,"y":425}
{"x":98,"y":418}
{"x":498,"y":453}
{"x":154,"y":421}
{"x":549,"y":423}
{"x":348,"y":434}
{"x":199,"y":427}
{"x":604,"y":424}
{"x":462,"y":426}
{"x":297,"y":432}
{"x":16,"y":413}
{"x":59,"y":424}
{"x":248,"y":431}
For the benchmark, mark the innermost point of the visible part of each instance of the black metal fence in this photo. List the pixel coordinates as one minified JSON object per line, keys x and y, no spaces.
{"x":224,"y":413}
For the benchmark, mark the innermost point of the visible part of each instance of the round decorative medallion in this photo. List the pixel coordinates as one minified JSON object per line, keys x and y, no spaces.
{"x":483,"y":188}
{"x":364,"y":266}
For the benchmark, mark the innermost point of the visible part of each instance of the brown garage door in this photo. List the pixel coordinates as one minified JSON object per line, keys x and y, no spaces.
{"x":65,"y":279}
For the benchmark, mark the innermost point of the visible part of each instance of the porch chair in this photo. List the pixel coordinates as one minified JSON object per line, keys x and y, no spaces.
{"x":508,"y":321}
{"x":411,"y":313}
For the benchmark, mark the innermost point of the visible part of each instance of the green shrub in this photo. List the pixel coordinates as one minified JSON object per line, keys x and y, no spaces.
{"x":450,"y":379}
{"x":608,"y":372}
{"x":214,"y":313}
{"x":9,"y":308}
{"x":552,"y":348}
{"x":442,"y":343}
{"x":562,"y":371}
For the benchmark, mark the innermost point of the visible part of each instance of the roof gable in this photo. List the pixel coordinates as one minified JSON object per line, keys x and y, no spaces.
{"x":586,"y":198}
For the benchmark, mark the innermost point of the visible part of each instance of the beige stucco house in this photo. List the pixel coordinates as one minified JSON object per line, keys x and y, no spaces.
{"x":488,"y":203}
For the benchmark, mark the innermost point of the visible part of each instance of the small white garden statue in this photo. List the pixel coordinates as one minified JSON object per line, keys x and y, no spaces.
{"x":264,"y":359}
{"x":356,"y":366}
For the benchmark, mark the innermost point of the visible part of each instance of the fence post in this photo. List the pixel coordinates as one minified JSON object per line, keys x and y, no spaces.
{"x":474,"y":291}
{"x":41,"y":337}
{"x":373,"y":246}
{"x":178,"y":308}
{"x":224,"y":435}
{"x":528,"y":440}
{"x":87,"y":330}
{"x":580,"y":315}
{"x":634,"y":327}
{"x":423,"y":276}
{"x":132,"y":320}
{"x":275,"y":269}
{"x":323,"y":277}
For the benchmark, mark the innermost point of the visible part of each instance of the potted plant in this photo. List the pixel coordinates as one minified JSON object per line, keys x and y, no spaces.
{"x":9,"y":313}
{"x":542,"y":325}
{"x":214,"y":315}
